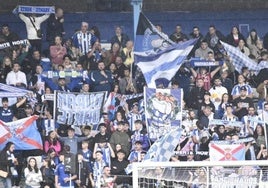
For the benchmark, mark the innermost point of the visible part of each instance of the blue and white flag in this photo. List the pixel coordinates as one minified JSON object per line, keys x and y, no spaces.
{"x":164,"y":64}
{"x":163,"y":148}
{"x":163,"y":111}
{"x":239,"y":59}
{"x":23,"y":133}
{"x":149,"y":38}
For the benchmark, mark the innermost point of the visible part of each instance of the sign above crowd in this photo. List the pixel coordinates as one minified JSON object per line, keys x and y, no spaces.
{"x":78,"y":109}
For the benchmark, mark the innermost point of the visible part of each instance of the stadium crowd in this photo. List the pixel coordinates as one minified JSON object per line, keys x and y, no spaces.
{"x":100,"y":160}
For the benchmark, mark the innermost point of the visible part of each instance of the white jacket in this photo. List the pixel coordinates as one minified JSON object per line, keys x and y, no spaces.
{"x":31,"y":32}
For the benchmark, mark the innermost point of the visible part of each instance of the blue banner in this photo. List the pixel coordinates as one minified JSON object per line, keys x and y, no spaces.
{"x":36,"y":9}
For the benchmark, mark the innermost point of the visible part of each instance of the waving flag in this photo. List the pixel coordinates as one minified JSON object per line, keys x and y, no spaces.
{"x":229,"y":152}
{"x":163,"y":148}
{"x":23,"y":133}
{"x":148,"y":37}
{"x":239,"y":59}
{"x":164,"y":64}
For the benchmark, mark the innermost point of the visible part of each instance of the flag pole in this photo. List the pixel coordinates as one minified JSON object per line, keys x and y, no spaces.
{"x":137,"y":6}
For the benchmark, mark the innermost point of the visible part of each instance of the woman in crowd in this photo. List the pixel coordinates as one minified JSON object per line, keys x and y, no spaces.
{"x":119,"y":116}
{"x":33,"y":176}
{"x":8,"y":163}
{"x":234,"y":37}
{"x":222,"y":107}
{"x":252,"y":40}
{"x":52,"y":142}
{"x":47,"y":173}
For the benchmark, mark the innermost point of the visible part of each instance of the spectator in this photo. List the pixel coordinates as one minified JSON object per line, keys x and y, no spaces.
{"x":134,"y":115}
{"x":97,"y":168}
{"x":106,"y":149}
{"x":67,"y":63}
{"x":33,"y":24}
{"x":28,"y":65}
{"x":119,"y":117}
{"x":33,"y":176}
{"x":120,"y":137}
{"x":112,"y":54}
{"x":234,"y":37}
{"x":258,"y":50}
{"x":71,"y":140}
{"x":8,"y":35}
{"x":216,"y":93}
{"x":103,"y":134}
{"x":213,"y":38}
{"x":83,"y":41}
{"x":242,"y":103}
{"x":118,"y":168}
{"x":52,"y":141}
{"x":95,"y":55}
{"x":120,"y":67}
{"x":241,"y":83}
{"x":207,"y":116}
{"x":135,"y":154}
{"x":8,"y":162}
{"x":101,"y":78}
{"x":107,"y":179}
{"x":252,"y":40}
{"x":16,"y":77}
{"x":47,"y":173}
{"x":57,"y":52}
{"x":205,"y":75}
{"x":242,"y":47}
{"x":141,"y":135}
{"x":222,"y":107}
{"x":196,"y":34}
{"x":250,"y":121}
{"x":127,"y":84}
{"x":5,"y":69}
{"x":202,"y":51}
{"x":86,"y":132}
{"x":35,"y":83}
{"x":63,"y":178}
{"x":127,"y":54}
{"x":178,"y":36}
{"x":7,"y":114}
{"x":86,"y":153}
{"x":197,"y":94}
{"x":119,"y":37}
{"x":83,"y":171}
{"x":55,"y":26}
{"x":226,"y":82}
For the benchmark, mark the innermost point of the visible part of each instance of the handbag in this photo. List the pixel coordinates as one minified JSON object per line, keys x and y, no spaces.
{"x":38,"y":31}
{"x":3,"y":173}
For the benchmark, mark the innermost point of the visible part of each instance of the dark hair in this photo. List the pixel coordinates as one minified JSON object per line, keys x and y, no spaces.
{"x":8,"y":145}
{"x":35,"y":168}
{"x":53,"y":141}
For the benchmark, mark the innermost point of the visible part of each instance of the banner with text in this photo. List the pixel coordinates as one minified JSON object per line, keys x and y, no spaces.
{"x":78,"y":109}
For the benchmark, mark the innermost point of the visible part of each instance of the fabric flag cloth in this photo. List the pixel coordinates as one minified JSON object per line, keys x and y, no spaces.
{"x":164,"y":64}
{"x":163,"y":148}
{"x":23,"y":133}
{"x":229,"y":152}
{"x":239,"y":59}
{"x":148,"y":37}
{"x":163,"y":110}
